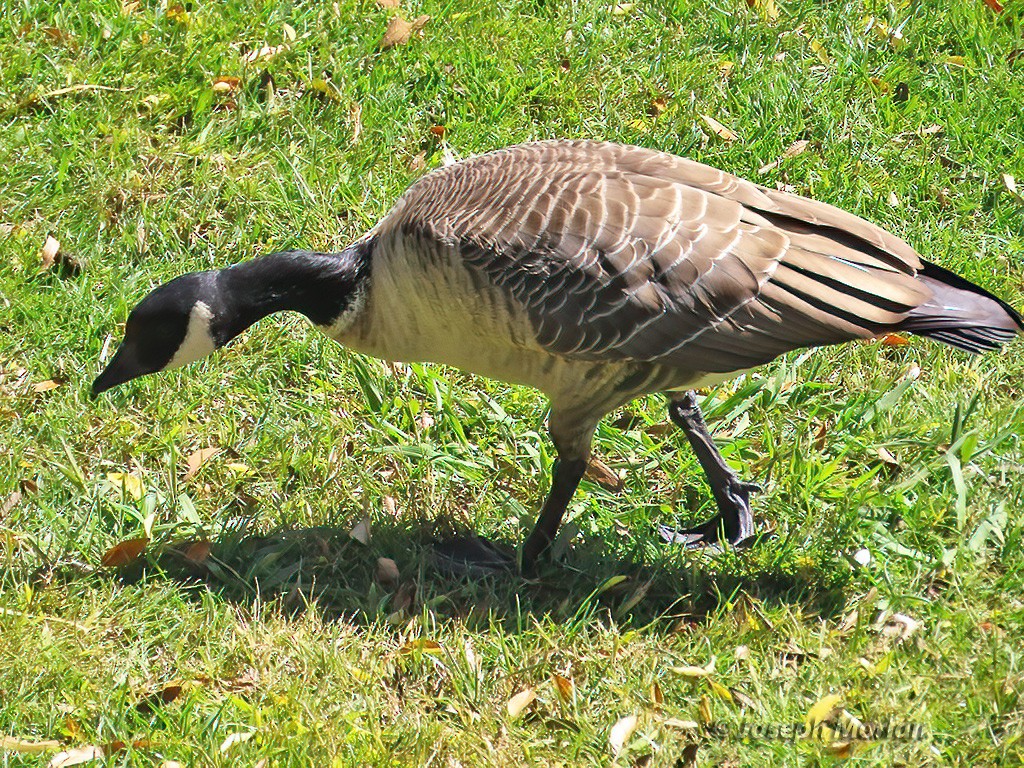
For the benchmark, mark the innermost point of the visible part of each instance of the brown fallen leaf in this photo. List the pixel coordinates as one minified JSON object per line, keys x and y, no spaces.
{"x":995,"y":5}
{"x":657,"y":695}
{"x":438,"y":130}
{"x":400,"y":31}
{"x":725,"y":134}
{"x":226,"y":83}
{"x":165,"y":694}
{"x":197,"y":458}
{"x":600,"y":473}
{"x":45,"y":386}
{"x":389,"y":3}
{"x":11,"y":744}
{"x":124,"y":553}
{"x":564,"y":687}
{"x":520,"y":701}
{"x":361,"y":532}
{"x":386,"y":573}
{"x":893,"y":340}
{"x":197,"y":552}
{"x":794,"y":149}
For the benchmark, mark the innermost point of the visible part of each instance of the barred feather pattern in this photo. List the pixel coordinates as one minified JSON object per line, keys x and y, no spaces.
{"x":619,"y":253}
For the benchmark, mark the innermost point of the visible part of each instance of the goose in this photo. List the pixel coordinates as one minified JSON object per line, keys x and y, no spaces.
{"x":596,"y":273}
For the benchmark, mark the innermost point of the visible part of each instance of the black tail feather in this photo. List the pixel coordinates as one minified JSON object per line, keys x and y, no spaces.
{"x":962,"y":314}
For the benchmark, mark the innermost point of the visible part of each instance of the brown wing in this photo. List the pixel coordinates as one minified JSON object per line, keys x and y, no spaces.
{"x":623,"y":253}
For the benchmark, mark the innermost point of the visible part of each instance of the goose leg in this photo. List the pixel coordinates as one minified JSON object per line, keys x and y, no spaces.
{"x":475,"y":556}
{"x":564,"y":481}
{"x":734,"y":522}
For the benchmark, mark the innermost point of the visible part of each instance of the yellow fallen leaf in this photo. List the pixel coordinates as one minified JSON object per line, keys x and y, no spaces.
{"x":822,"y":710}
{"x":520,"y":701}
{"x":691,"y":672}
{"x":421,"y":644}
{"x":324,"y":89}
{"x":766,"y":9}
{"x":176,"y":13}
{"x":718,"y":129}
{"x":129,"y":483}
{"x":621,"y":732}
{"x":720,"y":691}
{"x":820,"y":51}
{"x":955,"y":61}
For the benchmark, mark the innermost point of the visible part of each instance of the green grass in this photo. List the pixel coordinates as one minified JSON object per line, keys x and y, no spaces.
{"x":282,"y":632}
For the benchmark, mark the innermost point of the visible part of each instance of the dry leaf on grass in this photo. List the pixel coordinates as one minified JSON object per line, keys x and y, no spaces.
{"x":197,"y":458}
{"x":564,"y":687}
{"x":197,"y":552}
{"x":794,"y":149}
{"x":76,"y":756}
{"x":1011,"y":186}
{"x":421,"y":644}
{"x":520,"y":701}
{"x":995,"y":5}
{"x":400,"y":31}
{"x":766,"y":9}
{"x":26,"y":747}
{"x":389,"y":3}
{"x":128,"y":483}
{"x":165,"y":694}
{"x":386,"y":574}
{"x":226,"y":84}
{"x":621,"y":732}
{"x":52,"y":256}
{"x":124,"y":553}
{"x":361,"y":532}
{"x":235,"y":739}
{"x":355,"y":115}
{"x":822,"y":710}
{"x":324,"y":90}
{"x":45,"y":386}
{"x":725,"y":134}
{"x":264,"y":52}
{"x":600,"y":473}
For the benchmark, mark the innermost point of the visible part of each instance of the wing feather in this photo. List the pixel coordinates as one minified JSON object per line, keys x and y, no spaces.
{"x":624,"y":253}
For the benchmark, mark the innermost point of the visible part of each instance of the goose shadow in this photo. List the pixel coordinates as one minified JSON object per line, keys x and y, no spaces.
{"x":344,"y":576}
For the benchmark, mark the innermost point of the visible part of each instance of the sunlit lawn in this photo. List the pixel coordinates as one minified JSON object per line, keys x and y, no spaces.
{"x":151,"y":141}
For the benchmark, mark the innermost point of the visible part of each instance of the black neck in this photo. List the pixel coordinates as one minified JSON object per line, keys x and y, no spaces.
{"x":319,"y":285}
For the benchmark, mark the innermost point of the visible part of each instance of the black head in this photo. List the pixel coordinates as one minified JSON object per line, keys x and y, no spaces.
{"x":175,"y":324}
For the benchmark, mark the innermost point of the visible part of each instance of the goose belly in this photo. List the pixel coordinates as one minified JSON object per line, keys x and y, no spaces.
{"x":430,"y":307}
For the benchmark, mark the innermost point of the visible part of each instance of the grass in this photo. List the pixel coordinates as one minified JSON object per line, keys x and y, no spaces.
{"x":282,"y":632}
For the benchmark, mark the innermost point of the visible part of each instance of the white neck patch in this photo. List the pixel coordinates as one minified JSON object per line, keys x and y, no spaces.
{"x":357,"y":303}
{"x":198,"y":341}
